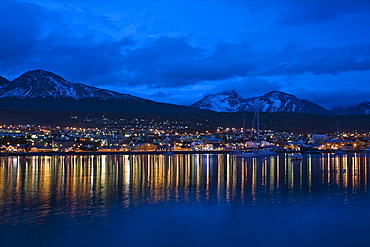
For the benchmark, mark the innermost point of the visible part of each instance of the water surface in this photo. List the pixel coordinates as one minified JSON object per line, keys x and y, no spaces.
{"x":184,"y":200}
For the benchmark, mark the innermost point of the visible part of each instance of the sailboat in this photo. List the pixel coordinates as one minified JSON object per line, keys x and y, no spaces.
{"x":239,"y":153}
{"x":259,"y":152}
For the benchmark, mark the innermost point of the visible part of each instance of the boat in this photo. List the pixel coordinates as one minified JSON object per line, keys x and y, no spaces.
{"x":258,"y":152}
{"x":245,"y":154}
{"x":265,"y":152}
{"x":255,"y":153}
{"x":296,"y":156}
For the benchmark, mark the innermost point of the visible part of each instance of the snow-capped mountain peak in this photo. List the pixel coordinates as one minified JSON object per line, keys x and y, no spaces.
{"x":226,"y":101}
{"x":228,"y":92}
{"x":278,"y":94}
{"x":45,"y":84}
{"x":274,"y":101}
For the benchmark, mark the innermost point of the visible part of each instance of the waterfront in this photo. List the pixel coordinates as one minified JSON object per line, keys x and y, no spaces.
{"x":184,"y":200}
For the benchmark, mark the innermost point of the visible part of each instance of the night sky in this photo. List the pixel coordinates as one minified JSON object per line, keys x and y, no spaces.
{"x":179,"y":51}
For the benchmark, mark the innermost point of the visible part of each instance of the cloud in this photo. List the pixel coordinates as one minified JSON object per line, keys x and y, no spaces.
{"x":161,"y":63}
{"x":174,"y":62}
{"x":247,"y":87}
{"x":21,"y":25}
{"x":294,"y":60}
{"x":158,"y":62}
{"x":331,"y":99}
{"x":297,"y":13}
{"x":161,"y":96}
{"x":90,"y":61}
{"x":34,"y":38}
{"x":90,"y":45}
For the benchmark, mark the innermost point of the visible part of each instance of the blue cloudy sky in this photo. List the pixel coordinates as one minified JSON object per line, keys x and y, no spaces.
{"x":179,"y":51}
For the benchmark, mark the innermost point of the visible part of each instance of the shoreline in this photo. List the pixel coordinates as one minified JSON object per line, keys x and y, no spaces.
{"x":154,"y":153}
{"x":113,"y":153}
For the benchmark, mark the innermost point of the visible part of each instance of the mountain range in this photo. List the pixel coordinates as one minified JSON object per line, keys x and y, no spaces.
{"x":274,"y":101}
{"x":43,"y":90}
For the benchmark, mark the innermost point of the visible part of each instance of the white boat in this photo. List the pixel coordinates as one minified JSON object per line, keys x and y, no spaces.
{"x":245,"y":154}
{"x":296,"y":156}
{"x":256,"y":153}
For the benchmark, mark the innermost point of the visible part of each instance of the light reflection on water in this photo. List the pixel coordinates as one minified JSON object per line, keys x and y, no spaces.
{"x":82,"y":189}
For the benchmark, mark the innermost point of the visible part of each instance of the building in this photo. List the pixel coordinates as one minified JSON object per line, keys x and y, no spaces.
{"x":63,"y":144}
{"x":144,"y":147}
{"x":40,"y":148}
{"x":345,"y":145}
{"x":112,"y":149}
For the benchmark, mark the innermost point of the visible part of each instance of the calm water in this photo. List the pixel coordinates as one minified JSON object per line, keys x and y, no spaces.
{"x":184,"y":200}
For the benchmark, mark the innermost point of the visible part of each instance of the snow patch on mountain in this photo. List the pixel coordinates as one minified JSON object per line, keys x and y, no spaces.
{"x":227,"y":101}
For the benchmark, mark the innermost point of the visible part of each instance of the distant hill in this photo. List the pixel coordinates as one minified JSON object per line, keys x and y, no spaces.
{"x":209,"y":121}
{"x":362,"y":108}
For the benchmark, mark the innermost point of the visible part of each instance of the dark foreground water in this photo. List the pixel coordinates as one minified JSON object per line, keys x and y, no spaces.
{"x":184,"y":200}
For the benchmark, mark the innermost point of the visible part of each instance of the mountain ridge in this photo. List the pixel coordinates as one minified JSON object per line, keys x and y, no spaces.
{"x":44,"y":90}
{"x":45,"y":84}
{"x":226,"y":101}
{"x":3,"y":82}
{"x":362,"y":108}
{"x":273,"y":101}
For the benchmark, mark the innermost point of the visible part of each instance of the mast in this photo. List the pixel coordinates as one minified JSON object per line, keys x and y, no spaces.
{"x":252,"y":130}
{"x":258,"y":129}
{"x":244,"y":134}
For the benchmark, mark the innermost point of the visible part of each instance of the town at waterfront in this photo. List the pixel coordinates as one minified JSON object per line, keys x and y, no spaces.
{"x":37,"y":139}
